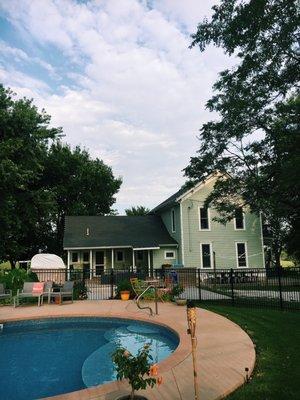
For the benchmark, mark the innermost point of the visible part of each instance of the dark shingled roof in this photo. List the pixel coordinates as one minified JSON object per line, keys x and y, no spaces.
{"x":170,"y":201}
{"x":135,"y":231}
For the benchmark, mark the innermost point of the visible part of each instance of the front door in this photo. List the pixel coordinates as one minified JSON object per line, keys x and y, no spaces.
{"x":99,"y":262}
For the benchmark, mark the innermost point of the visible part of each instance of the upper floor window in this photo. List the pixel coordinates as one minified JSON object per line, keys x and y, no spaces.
{"x":173,"y":221}
{"x":241,"y":253}
{"x":239,"y":219}
{"x":204,"y":223}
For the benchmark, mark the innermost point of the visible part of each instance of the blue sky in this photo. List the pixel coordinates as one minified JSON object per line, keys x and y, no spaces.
{"x":118,"y":76}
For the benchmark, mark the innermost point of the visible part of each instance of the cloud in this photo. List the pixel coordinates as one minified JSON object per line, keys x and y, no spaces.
{"x":133,"y":93}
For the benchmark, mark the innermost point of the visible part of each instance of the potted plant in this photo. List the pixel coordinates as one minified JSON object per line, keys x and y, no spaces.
{"x":124,"y":289}
{"x":177,"y":295}
{"x":136,"y":369}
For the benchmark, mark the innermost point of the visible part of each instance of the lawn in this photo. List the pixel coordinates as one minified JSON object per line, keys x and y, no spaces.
{"x":277,"y":338}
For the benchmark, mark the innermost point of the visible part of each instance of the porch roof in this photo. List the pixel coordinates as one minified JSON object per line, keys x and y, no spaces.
{"x":115,"y":231}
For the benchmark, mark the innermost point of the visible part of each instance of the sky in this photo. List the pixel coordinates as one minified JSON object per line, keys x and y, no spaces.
{"x":119,"y":77}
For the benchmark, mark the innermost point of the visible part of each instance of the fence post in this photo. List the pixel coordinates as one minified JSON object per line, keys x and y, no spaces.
{"x":279,"y":286}
{"x":199,"y":284}
{"x":231,"y":286}
{"x":111,"y":283}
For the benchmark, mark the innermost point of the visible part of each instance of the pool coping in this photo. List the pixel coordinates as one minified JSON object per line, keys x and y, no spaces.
{"x":178,"y":326}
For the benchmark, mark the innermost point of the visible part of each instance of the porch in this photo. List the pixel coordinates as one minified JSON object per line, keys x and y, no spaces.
{"x":96,"y":262}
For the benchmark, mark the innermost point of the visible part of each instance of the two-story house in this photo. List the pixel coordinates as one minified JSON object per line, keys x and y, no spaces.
{"x":178,"y":231}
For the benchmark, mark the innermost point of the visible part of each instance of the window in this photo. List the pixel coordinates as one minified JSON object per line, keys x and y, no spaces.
{"x":169,"y":255}
{"x":206,"y":255}
{"x":74,"y":257}
{"x":86,"y":256}
{"x":140,"y":255}
{"x":120,"y":255}
{"x":204,"y":218}
{"x":241,"y":252}
{"x":173,"y":221}
{"x":239,"y":219}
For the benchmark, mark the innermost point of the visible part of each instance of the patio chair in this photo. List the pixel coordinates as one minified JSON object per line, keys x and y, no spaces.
{"x":30,"y":290}
{"x":165,"y":288}
{"x":5,"y":293}
{"x":65,"y":291}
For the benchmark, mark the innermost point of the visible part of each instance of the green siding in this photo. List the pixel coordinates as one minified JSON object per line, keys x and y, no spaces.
{"x":222,"y":237}
{"x":166,"y":217}
{"x":159,"y":257}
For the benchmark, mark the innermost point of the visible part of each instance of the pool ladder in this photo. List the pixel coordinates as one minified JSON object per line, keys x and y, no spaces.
{"x":147,"y":307}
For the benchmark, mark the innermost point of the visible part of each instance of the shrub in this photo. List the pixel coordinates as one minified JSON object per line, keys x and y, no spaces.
{"x":15,"y":278}
{"x":136,"y":369}
{"x":80,"y":291}
{"x":176,"y":291}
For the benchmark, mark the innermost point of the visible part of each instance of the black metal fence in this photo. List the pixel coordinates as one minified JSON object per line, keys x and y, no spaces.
{"x":276,"y":288}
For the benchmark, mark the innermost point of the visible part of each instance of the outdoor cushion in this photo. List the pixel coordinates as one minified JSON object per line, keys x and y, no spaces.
{"x":38,"y":287}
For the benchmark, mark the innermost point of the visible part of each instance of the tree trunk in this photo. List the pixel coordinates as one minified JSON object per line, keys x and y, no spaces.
{"x":132,"y":394}
{"x":12,"y":263}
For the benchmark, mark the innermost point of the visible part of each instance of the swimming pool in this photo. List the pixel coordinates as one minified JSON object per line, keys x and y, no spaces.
{"x":46,"y":357}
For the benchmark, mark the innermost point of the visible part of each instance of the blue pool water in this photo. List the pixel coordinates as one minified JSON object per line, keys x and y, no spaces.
{"x":46,"y":357}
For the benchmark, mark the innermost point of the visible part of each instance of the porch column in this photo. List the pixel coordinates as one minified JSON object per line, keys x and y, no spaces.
{"x":133,"y":261}
{"x":149,"y":267}
{"x":112,"y":259}
{"x":91,"y":264}
{"x":68,"y":264}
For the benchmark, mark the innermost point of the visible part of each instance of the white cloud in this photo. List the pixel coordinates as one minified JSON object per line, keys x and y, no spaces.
{"x":139,"y":92}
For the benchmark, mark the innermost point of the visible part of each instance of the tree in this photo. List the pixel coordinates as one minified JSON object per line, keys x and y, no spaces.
{"x":24,"y":137}
{"x":79,"y":185}
{"x":138,"y":210}
{"x":42,"y":180}
{"x":255,"y":141}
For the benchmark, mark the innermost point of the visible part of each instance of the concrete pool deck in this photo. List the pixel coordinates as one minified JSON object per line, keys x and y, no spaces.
{"x":224,"y":349}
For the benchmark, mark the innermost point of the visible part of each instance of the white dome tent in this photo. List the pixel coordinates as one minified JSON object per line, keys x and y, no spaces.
{"x":48,"y":267}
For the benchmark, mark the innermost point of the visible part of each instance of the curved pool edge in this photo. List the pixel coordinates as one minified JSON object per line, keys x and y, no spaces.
{"x":231,"y":351}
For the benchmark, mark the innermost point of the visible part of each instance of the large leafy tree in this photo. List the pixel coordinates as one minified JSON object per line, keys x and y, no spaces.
{"x":24,"y":204}
{"x":138,"y":210}
{"x":42,"y":180}
{"x":255,"y":141}
{"x":79,"y":185}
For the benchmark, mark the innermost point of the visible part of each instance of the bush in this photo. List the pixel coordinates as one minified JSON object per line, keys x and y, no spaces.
{"x":177,"y":291}
{"x":80,"y":291}
{"x":15,"y":278}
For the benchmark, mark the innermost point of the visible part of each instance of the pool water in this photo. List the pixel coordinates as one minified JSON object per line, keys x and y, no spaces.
{"x":46,"y":357}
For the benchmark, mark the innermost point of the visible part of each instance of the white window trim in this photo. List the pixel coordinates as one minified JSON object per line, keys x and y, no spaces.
{"x":116,"y":256}
{"x":236,"y":254}
{"x":173,"y":213}
{"x":211,"y":256}
{"x":244,"y":224}
{"x":170,"y":258}
{"x":199,"y":219}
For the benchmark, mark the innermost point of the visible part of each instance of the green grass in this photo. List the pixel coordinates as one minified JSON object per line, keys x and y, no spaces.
{"x":277,"y":338}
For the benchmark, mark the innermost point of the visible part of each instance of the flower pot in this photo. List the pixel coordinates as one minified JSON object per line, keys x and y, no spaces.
{"x":57,"y":300}
{"x":125,"y":294}
{"x":181,"y":302}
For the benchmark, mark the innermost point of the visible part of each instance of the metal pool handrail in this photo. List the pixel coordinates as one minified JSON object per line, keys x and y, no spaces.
{"x":148,"y":307}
